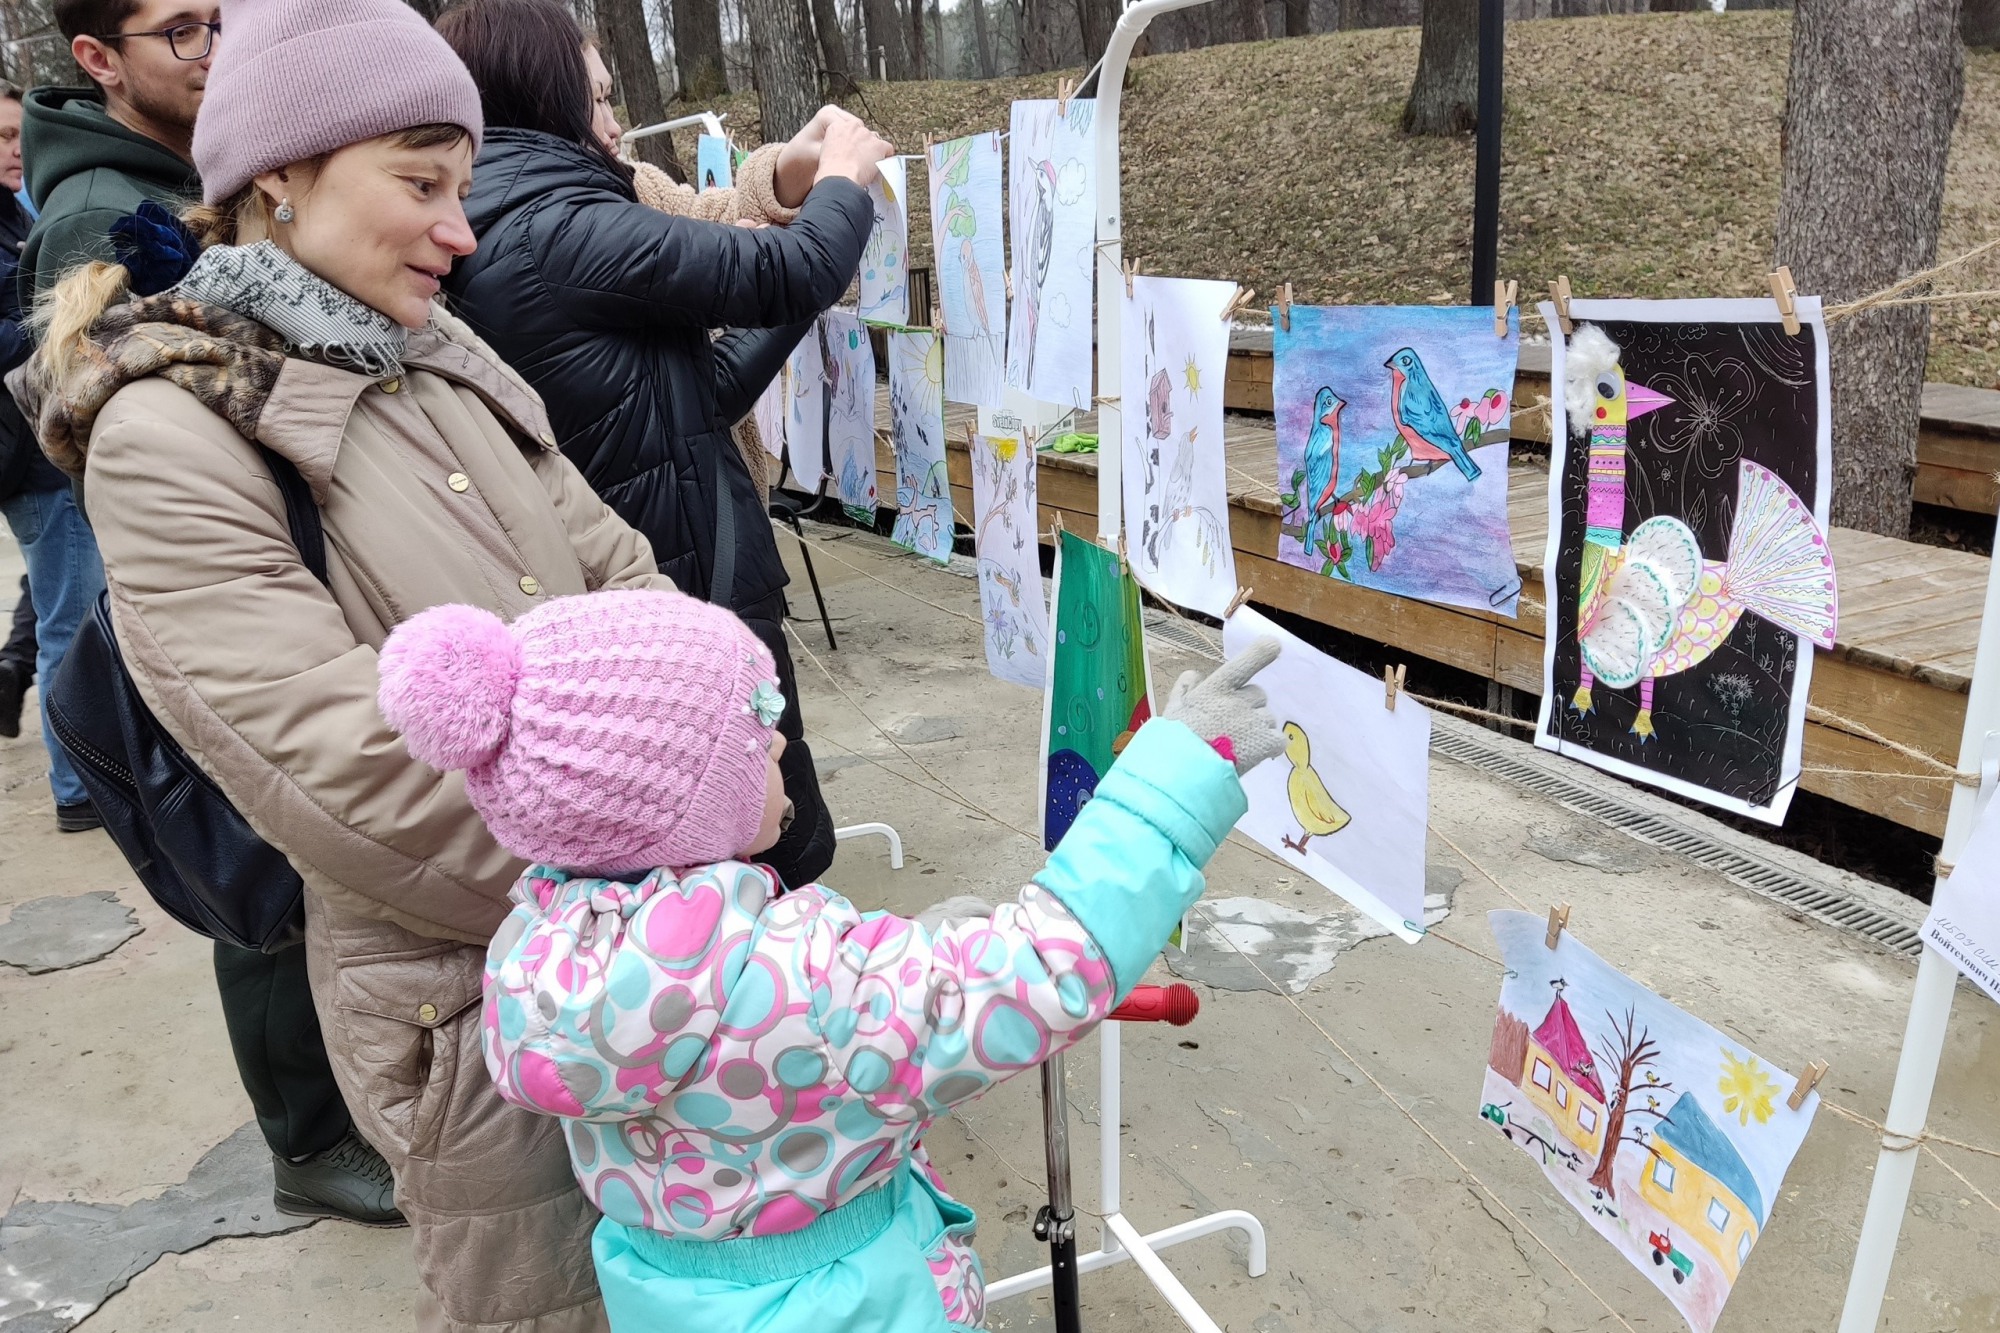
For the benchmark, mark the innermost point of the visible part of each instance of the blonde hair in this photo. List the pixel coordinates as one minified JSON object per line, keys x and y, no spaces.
{"x":66,"y":312}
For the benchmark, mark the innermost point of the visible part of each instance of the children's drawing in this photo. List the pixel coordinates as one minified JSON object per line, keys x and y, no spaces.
{"x":1052,"y":215}
{"x":1393,"y":424}
{"x":711,"y":162}
{"x":1097,"y":689}
{"x":1012,"y":601}
{"x":1668,"y":1136}
{"x":885,"y":260}
{"x":916,"y":424}
{"x":805,"y":410}
{"x":1964,"y":920}
{"x":1349,"y":800}
{"x":1175,"y":349}
{"x":768,"y":415}
{"x":968,"y":256}
{"x":1689,"y":569}
{"x":850,"y":418}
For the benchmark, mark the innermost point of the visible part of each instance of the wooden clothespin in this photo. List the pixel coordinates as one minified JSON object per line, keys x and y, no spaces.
{"x":1063,"y":89}
{"x":1504,"y":296}
{"x":1244,"y":296}
{"x":969,"y":435}
{"x":1236,"y":602}
{"x":1008,"y":274}
{"x":1559,"y":293}
{"x":1285,"y":305}
{"x":1807,"y":1081}
{"x":1059,"y":523}
{"x":1558,"y":920}
{"x":1786,"y":293}
{"x":1131,"y":267}
{"x":1392,"y":684}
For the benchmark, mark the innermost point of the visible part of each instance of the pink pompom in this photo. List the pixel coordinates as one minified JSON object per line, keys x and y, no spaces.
{"x":447,"y":684}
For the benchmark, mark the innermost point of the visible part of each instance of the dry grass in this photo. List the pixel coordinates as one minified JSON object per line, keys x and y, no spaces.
{"x":1641,"y":159}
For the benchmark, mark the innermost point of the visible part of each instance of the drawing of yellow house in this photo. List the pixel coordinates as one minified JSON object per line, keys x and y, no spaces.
{"x":1699,"y":1180}
{"x":1560,"y":1077}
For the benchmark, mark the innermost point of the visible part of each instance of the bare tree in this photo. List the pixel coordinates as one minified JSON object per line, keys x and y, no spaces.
{"x":1298,"y":17}
{"x":698,"y":49}
{"x":1629,"y":1053}
{"x":982,"y":39}
{"x":832,"y":47}
{"x":919,"y":59}
{"x":1444,"y":97}
{"x":1979,"y":24}
{"x":1041,"y":34}
{"x":1095,"y":20}
{"x":628,"y":50}
{"x":782,"y":51}
{"x":1870,"y":101}
{"x":886,"y":41}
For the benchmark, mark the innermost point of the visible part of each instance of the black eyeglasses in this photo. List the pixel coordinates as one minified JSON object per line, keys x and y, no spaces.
{"x":190,"y":41}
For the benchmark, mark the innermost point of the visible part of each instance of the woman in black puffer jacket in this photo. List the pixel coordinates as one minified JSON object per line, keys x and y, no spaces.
{"x":605,"y":306}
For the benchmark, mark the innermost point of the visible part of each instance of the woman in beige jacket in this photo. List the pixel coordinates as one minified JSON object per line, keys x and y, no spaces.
{"x":307,"y":327}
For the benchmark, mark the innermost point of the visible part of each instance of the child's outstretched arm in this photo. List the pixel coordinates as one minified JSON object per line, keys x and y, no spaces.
{"x":919,"y":1022}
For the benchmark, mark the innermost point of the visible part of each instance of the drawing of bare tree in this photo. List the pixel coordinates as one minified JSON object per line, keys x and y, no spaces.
{"x":1630,"y":1053}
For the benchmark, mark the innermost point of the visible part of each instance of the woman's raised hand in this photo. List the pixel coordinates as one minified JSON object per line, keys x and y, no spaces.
{"x":848,"y":148}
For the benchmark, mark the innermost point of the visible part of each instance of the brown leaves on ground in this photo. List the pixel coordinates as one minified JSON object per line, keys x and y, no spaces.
{"x":1641,"y":158}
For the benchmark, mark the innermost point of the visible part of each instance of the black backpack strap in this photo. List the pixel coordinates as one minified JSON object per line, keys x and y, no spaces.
{"x":301,"y":512}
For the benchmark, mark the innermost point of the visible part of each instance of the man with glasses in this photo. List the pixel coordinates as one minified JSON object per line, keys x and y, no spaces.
{"x":94,"y":155}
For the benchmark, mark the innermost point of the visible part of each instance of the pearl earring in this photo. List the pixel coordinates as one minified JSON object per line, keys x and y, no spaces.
{"x":284,"y":211}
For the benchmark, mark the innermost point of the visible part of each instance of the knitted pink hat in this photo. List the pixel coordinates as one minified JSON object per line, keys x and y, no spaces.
{"x":293,"y":79}
{"x":607,"y":734}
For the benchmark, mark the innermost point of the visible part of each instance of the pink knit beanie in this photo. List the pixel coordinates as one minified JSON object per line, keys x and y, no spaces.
{"x":293,"y":79}
{"x":607,"y":734}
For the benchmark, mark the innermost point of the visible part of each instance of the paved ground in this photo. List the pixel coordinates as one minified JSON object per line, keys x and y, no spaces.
{"x":116,"y":1088}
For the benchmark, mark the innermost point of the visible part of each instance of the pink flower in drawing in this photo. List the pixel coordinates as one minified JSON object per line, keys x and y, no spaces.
{"x":1159,"y":415}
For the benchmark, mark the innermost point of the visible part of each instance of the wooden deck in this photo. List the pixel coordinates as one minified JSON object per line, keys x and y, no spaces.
{"x":1909,"y":616}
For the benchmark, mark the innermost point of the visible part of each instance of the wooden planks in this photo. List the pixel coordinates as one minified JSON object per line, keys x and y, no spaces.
{"x":1902,"y":666}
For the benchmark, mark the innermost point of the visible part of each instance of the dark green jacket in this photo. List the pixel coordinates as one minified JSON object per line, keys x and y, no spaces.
{"x":85,"y":171}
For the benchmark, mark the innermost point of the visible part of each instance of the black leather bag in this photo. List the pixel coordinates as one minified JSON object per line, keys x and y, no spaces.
{"x":187,"y":844}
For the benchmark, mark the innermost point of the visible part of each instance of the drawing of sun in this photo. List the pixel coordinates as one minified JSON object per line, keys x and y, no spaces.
{"x":1193,"y":377}
{"x":1004,"y":447}
{"x":1746,"y":1089}
{"x":920,"y":361}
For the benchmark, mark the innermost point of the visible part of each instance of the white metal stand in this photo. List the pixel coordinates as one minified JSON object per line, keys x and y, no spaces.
{"x":708,"y":120}
{"x":1122,"y":1240}
{"x":1930,"y":1006}
{"x":875,"y":830}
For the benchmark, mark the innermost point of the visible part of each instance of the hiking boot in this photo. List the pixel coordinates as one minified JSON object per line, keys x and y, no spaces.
{"x":349,"y":1181}
{"x":12,"y":687}
{"x":79,"y":818}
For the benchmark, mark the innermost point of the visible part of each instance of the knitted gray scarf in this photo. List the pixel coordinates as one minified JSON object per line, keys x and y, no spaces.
{"x":315,"y":318}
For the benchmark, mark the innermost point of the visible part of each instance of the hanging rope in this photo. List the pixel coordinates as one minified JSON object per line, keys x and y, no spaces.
{"x":1890,"y":295}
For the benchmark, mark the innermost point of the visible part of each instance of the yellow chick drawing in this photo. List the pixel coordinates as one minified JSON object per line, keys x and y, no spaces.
{"x":1312,"y":804}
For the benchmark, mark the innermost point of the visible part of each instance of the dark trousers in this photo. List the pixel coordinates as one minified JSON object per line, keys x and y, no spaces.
{"x":19,"y":651}
{"x":806,"y":848}
{"x":280,"y":1055}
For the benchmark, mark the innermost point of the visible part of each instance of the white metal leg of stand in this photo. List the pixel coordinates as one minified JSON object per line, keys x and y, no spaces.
{"x":1930,"y":1005}
{"x":1122,"y":1240}
{"x":875,"y":830}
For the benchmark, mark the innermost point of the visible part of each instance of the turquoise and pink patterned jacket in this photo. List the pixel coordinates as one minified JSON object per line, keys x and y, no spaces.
{"x":737,"y":1062}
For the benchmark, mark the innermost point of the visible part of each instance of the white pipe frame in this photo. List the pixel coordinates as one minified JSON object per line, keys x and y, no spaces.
{"x":1122,"y":1241}
{"x":1930,"y":1003}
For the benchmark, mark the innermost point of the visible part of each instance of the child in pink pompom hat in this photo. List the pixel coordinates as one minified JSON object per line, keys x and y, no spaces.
{"x":748,"y":1076}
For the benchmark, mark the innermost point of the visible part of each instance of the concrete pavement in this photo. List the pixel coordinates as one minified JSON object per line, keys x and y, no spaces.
{"x":116,"y":1083}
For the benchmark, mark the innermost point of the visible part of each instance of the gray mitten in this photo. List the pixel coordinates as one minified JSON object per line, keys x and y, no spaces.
{"x":1227,"y":707}
{"x":962,"y":908}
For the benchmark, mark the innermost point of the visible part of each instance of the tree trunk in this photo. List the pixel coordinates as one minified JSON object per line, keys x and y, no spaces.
{"x":1249,"y":23}
{"x":1298,"y":17}
{"x":1979,"y":24}
{"x":1871,"y":98}
{"x":782,"y":48}
{"x":1095,"y":20}
{"x":832,"y":47}
{"x":982,"y":39}
{"x":1605,"y":1176}
{"x":885,"y":39}
{"x":1041,"y":44}
{"x":1444,"y":98}
{"x":698,"y":50}
{"x":919,"y":56}
{"x":628,"y":49}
